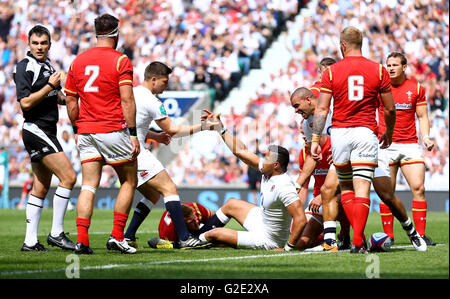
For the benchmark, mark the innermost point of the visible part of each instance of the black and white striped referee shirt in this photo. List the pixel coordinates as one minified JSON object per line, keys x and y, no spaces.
{"x":31,"y":75}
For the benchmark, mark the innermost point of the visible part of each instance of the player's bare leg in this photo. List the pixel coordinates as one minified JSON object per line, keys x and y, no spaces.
{"x":222,"y":235}
{"x":92,"y":172}
{"x":128,"y":180}
{"x":233,"y":208}
{"x":312,"y":230}
{"x":415,"y":176}
{"x":330,"y":206}
{"x":384,"y":190}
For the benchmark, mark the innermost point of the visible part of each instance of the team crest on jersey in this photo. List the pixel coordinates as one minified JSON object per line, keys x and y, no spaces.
{"x":409,"y":94}
{"x":162,"y":109}
{"x":273,"y":187}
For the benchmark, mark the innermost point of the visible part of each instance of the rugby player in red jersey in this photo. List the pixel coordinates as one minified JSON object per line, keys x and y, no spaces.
{"x":105,"y":121}
{"x":195,"y":216}
{"x":405,"y":152}
{"x":355,"y":83}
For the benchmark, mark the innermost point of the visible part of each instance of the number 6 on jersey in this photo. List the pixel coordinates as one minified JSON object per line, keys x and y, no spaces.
{"x":355,"y":88}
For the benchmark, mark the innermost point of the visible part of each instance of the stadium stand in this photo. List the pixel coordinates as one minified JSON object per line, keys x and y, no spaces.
{"x":229,"y":47}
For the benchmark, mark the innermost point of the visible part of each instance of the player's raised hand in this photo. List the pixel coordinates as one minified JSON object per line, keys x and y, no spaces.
{"x":211,"y":121}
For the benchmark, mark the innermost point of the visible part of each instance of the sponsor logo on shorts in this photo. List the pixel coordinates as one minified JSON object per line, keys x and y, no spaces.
{"x":361,"y":155}
{"x":117,"y":157}
{"x":143,"y":174}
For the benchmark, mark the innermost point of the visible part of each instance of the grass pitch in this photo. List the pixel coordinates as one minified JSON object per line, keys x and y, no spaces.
{"x":403,"y":262}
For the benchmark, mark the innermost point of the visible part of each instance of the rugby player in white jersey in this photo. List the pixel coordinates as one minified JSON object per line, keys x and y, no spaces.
{"x":267,"y":226}
{"x":153,"y":179}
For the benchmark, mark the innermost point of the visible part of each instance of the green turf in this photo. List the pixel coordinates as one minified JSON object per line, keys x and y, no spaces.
{"x":402,"y":262}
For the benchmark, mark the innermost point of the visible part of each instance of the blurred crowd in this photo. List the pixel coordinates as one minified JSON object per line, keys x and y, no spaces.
{"x":213,"y":43}
{"x":210,"y":44}
{"x":419,"y":29}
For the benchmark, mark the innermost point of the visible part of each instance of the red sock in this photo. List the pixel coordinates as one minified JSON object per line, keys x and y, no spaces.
{"x":419,"y":213}
{"x":82,"y":229}
{"x":119,"y":222}
{"x":361,"y":207}
{"x":347,"y":204}
{"x":387,"y":220}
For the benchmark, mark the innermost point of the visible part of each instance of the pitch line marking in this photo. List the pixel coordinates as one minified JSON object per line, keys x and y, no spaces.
{"x":112,"y":266}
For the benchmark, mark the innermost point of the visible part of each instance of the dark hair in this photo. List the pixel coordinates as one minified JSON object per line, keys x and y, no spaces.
{"x":282,"y":155}
{"x":156,"y":69}
{"x":39,"y":30}
{"x":105,"y":24}
{"x":402,"y":57}
{"x":187,"y":211}
{"x":327,"y":61}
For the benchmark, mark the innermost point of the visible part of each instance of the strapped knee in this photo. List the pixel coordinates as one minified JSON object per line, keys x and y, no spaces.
{"x":363,"y":173}
{"x":89,"y":188}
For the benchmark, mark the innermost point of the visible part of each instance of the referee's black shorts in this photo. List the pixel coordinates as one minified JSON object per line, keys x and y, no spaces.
{"x":39,"y":142}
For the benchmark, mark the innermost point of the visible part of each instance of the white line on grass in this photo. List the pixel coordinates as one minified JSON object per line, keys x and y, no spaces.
{"x":112,"y":266}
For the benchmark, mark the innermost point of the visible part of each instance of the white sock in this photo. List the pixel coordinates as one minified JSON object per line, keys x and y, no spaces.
{"x":147,"y":202}
{"x":33,"y":213}
{"x":222,"y":217}
{"x":202,"y":237}
{"x":408,"y":227}
{"x":329,"y":228}
{"x":60,"y":200}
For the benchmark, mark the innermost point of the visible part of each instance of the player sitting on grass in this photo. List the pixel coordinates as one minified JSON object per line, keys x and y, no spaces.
{"x":267,"y":226}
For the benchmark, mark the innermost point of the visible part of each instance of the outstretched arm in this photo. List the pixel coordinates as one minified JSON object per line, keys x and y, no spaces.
{"x":213,"y":122}
{"x":168,"y":126}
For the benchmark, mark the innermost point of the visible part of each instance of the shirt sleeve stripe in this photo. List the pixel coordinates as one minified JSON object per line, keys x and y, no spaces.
{"x":118,"y":61}
{"x":70,"y":91}
{"x":380,"y":68}
{"x":325,"y":89}
{"x":331,"y":76}
{"x":125,"y":81}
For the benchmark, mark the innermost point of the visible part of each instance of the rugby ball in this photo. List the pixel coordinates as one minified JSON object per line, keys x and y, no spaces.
{"x":379,"y":242}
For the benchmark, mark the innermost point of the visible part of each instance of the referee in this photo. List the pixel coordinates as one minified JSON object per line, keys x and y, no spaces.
{"x":39,"y":93}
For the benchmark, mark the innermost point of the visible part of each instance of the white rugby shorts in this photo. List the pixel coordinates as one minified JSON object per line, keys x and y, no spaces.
{"x":404,"y":154}
{"x":255,"y":237}
{"x":148,"y":166}
{"x":383,"y":169}
{"x":356,"y":145}
{"x":113,"y":148}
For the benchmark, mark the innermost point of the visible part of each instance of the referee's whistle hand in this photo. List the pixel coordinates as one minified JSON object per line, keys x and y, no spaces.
{"x":55,"y":79}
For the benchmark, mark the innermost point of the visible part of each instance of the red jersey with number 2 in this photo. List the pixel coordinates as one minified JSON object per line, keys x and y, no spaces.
{"x":355,"y":83}
{"x":95,"y":76}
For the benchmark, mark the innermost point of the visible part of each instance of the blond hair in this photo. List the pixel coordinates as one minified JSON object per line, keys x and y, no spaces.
{"x":352,"y":37}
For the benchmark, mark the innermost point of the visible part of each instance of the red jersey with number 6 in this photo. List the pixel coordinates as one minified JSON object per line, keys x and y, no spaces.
{"x":355,"y":83}
{"x":167,"y":229}
{"x":407,"y":96}
{"x":95,"y":76}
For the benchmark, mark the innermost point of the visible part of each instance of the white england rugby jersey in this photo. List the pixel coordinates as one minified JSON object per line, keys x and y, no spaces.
{"x":276,"y":194}
{"x":148,"y":108}
{"x":308,"y":126}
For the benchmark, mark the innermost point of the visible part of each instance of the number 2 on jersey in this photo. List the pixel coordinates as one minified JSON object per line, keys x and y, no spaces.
{"x":92,"y":71}
{"x":355,"y":88}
